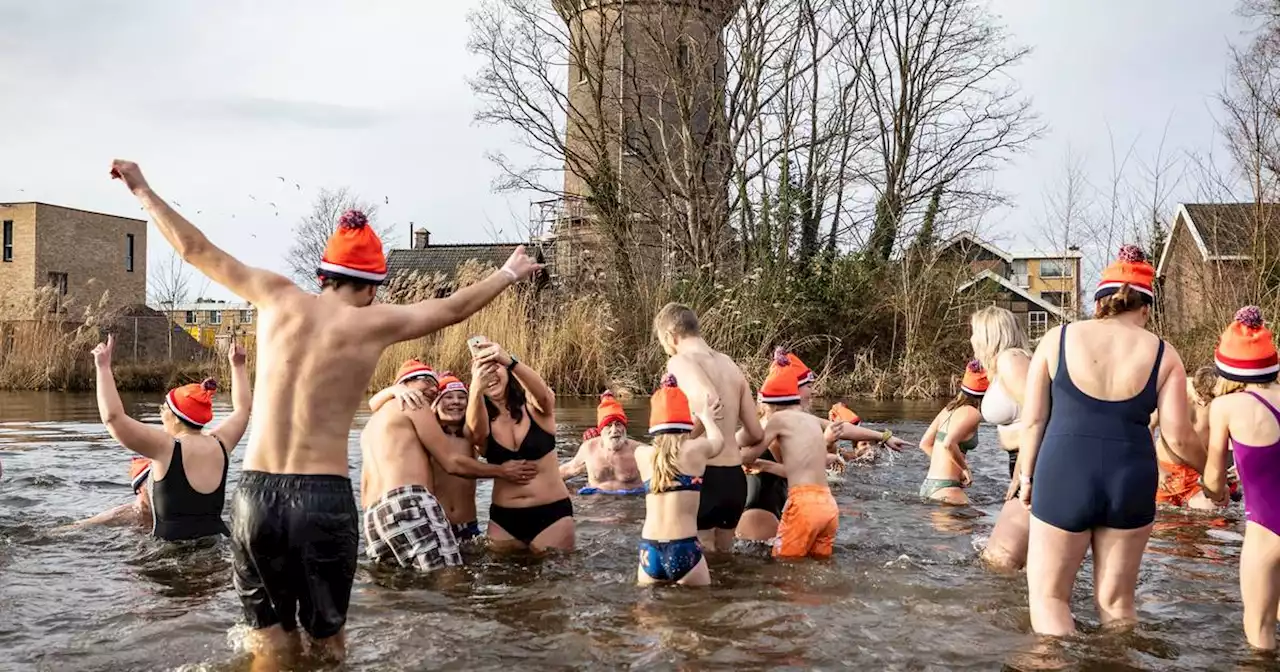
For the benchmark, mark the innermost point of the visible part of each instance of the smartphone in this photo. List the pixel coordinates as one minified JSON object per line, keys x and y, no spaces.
{"x":474,"y":343}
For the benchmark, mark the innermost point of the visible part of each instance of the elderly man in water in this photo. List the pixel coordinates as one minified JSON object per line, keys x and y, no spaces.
{"x":404,"y":523}
{"x":294,"y":522}
{"x":609,"y":457}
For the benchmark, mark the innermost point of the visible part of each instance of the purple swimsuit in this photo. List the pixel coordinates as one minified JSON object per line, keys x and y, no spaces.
{"x":1259,"y":469}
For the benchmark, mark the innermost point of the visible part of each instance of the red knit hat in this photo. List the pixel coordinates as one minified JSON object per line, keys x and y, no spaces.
{"x":193,"y":403}
{"x":1247,"y":351}
{"x":782,"y":385}
{"x":413,"y":369}
{"x":841,"y":413}
{"x":354,"y":251}
{"x":669,"y":409}
{"x":450,"y":383}
{"x":804,"y":375}
{"x":139,"y":472}
{"x":609,"y":411}
{"x":1130,"y":268}
{"x":975,"y":380}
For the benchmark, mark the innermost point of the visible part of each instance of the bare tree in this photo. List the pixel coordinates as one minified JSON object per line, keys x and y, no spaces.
{"x":169,"y":283}
{"x":311,"y":233}
{"x":944,"y":103}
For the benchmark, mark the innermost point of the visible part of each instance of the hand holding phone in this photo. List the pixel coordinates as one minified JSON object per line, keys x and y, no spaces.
{"x":474,"y":344}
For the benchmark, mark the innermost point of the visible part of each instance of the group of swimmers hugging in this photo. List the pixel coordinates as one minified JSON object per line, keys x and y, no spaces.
{"x":1099,"y":421}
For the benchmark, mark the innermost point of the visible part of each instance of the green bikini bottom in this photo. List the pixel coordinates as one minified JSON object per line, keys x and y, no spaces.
{"x":933,"y":485}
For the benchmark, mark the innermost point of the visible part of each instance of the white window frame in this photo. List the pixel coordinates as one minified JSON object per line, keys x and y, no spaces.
{"x":1042,"y":316}
{"x":189,"y":317}
{"x":246,"y":317}
{"x":215,"y":317}
{"x":1062,"y":265}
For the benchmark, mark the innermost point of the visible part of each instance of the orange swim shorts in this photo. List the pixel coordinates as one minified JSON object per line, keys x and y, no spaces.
{"x":1178,"y":484}
{"x":809,"y":523}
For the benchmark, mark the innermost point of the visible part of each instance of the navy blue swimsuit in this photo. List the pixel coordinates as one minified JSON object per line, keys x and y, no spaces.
{"x":1097,"y":464}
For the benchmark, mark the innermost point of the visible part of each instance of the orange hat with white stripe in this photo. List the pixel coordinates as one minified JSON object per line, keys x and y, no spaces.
{"x":193,"y":403}
{"x":669,"y":409}
{"x":609,"y":411}
{"x":1130,"y":268}
{"x":804,"y":375}
{"x":139,"y":472}
{"x":841,"y":413}
{"x":354,"y":251}
{"x":1246,"y":351}
{"x":451,"y":383}
{"x":415,"y":370}
{"x":782,"y":385}
{"x":975,"y":380}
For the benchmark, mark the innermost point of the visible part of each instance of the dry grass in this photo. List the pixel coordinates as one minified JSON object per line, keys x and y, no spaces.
{"x":50,"y":351}
{"x":567,"y":343}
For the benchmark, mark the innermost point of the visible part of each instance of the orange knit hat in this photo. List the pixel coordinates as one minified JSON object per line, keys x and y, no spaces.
{"x":193,"y":403}
{"x":413,"y":369}
{"x":975,"y":380}
{"x":782,"y":385}
{"x":450,"y":383}
{"x":609,"y":411}
{"x":804,"y":375}
{"x":139,"y":472}
{"x":1130,"y":268}
{"x":1247,"y":351}
{"x":354,"y":251}
{"x":669,"y":409}
{"x":841,"y":413}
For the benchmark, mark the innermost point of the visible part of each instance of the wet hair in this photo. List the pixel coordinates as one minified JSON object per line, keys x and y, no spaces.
{"x":964,"y":399}
{"x":335,"y":282}
{"x":666,"y":451}
{"x":1205,"y":382}
{"x":516,"y":400}
{"x":1125,"y":300}
{"x":997,"y":330}
{"x":1225,"y":387}
{"x":783,"y":404}
{"x":678,"y":320}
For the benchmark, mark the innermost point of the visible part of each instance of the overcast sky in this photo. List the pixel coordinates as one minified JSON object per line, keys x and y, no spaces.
{"x":215,"y":100}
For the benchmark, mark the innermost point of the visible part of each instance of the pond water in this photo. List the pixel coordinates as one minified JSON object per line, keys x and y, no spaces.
{"x":903,"y":591}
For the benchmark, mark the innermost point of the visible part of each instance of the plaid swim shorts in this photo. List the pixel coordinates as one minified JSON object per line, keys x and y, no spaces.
{"x":408,"y":527}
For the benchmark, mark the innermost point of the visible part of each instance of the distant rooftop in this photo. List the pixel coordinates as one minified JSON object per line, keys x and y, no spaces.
{"x":202,"y":305}
{"x":445,"y":259}
{"x":40,"y":204}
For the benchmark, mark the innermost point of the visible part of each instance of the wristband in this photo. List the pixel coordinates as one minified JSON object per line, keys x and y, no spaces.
{"x":510,"y":274}
{"x":1023,"y":478}
{"x":885,"y":436}
{"x":511,"y":367}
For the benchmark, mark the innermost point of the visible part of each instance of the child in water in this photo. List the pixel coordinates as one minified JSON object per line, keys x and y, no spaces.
{"x":1248,"y":423}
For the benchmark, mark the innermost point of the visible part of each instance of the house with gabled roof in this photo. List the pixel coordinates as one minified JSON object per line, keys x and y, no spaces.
{"x":1041,"y":288}
{"x":443,"y":260}
{"x":1210,"y":260}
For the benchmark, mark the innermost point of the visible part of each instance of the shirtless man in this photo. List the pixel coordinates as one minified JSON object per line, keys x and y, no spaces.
{"x":404,"y":524}
{"x":703,"y":373}
{"x":294,"y":521}
{"x":810,"y":518}
{"x":1179,"y":479}
{"x":457,"y":494}
{"x":608,"y":458}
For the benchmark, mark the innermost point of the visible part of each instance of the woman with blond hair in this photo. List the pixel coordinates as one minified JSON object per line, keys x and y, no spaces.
{"x":672,"y":469}
{"x":1088,"y":464}
{"x":1000,"y":346}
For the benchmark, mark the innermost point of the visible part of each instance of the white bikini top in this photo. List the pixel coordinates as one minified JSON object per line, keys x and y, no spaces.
{"x":999,"y":407}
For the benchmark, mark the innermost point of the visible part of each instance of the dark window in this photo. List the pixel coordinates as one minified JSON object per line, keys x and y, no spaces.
{"x":58,"y":281}
{"x":8,"y":240}
{"x":190,"y":317}
{"x":246,"y":317}
{"x":215,"y":317}
{"x":1058,"y":299}
{"x":1054,"y":268}
{"x":128,"y":252}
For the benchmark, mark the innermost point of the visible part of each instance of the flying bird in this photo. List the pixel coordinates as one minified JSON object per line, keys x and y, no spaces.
{"x":273,"y":205}
{"x":281,"y":179}
{"x":253,"y":197}
{"x":177,"y":204}
{"x":299,"y":186}
{"x":386,"y":200}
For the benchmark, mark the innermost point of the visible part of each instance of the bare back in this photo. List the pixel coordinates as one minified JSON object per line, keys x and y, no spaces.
{"x":804,"y":449}
{"x":673,"y":515}
{"x":1109,"y":360}
{"x":731,"y":387}
{"x":315,"y":359}
{"x":392,"y":455}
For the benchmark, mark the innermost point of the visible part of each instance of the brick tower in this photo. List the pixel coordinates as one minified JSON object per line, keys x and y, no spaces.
{"x":645,"y":149}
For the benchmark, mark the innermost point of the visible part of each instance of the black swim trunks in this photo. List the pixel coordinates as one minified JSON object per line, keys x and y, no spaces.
{"x":724,"y":496}
{"x":294,"y":541}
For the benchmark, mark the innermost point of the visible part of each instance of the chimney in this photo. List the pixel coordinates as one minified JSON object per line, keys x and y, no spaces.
{"x":421,"y":239}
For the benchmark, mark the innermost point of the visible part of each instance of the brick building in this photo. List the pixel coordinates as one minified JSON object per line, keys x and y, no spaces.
{"x":1211,"y":261}
{"x":78,"y":254}
{"x":1042,"y":288}
{"x":443,"y":261}
{"x":213,"y":323}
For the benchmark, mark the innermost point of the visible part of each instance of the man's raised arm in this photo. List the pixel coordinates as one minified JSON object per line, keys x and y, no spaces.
{"x":254,"y":285}
{"x":405,"y":322}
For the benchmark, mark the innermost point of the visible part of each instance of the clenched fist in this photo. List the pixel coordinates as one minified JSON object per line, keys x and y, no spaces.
{"x":129,"y":173}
